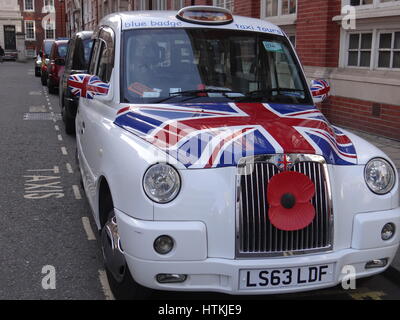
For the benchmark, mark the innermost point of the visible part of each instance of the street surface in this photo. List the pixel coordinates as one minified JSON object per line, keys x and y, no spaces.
{"x":45,"y":219}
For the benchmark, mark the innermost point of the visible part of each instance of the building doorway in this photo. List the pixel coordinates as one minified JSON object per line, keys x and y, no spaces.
{"x":9,"y":38}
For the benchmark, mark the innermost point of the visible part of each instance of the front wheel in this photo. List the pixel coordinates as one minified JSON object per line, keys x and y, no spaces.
{"x":52,"y":87}
{"x":119,"y":277}
{"x":43,"y":79}
{"x":69,"y":123}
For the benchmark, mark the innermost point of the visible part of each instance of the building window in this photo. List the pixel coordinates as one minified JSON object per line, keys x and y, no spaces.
{"x":227,"y":4}
{"x":360,"y":48}
{"x":48,"y":6}
{"x":292,"y":39}
{"x":372,"y":3}
{"x":50,"y":30}
{"x":30,"y":30}
{"x":374,"y":49}
{"x":152,"y":5}
{"x":360,"y":2}
{"x":178,"y":4}
{"x":275,"y":8}
{"x":29,"y":5}
{"x":389,"y":50}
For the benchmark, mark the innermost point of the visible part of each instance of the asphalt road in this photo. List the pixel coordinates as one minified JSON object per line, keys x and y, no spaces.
{"x":46,"y":224}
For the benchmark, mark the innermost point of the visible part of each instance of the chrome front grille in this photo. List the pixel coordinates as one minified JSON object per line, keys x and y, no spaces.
{"x":256,"y":236}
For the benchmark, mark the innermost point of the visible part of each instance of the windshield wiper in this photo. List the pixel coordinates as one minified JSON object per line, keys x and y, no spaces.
{"x":192,"y":94}
{"x":268,"y":93}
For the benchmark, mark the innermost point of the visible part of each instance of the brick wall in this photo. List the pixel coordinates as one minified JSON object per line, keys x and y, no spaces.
{"x":380,"y":119}
{"x":38,"y":16}
{"x":249,"y":8}
{"x":317,"y":36}
{"x":60,"y":19}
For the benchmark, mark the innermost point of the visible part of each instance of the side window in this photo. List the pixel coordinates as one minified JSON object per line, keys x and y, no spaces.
{"x":93,"y":59}
{"x":79,"y":62}
{"x":106,"y":54}
{"x":68,"y":60}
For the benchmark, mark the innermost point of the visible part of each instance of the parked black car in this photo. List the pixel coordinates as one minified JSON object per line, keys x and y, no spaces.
{"x":77,"y":61}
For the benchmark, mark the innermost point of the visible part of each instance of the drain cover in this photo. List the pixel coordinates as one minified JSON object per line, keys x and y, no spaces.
{"x":42,"y":116}
{"x":37,"y":109}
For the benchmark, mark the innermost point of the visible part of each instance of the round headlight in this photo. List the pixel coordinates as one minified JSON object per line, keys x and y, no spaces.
{"x":161,"y":183}
{"x":379,"y":176}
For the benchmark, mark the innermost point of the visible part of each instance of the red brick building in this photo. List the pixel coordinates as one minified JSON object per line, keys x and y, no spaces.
{"x":360,"y":57}
{"x":43,"y":19}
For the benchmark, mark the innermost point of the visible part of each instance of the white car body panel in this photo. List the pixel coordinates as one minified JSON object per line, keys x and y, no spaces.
{"x":202,"y":219}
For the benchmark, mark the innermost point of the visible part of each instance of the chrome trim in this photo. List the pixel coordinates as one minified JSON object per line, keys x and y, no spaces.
{"x":245,"y":167}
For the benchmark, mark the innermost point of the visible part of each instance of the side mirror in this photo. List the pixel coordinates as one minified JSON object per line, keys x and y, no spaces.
{"x":88,"y":87}
{"x":320,"y":89}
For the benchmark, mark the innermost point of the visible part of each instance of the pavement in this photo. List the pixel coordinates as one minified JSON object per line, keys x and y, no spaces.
{"x":392,"y":149}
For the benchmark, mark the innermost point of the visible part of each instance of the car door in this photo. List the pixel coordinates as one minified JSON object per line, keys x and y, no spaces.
{"x":91,"y":112}
{"x":67,"y":72}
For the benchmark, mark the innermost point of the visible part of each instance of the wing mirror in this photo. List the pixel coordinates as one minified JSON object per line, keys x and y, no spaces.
{"x":320,"y":90}
{"x":89,"y":87}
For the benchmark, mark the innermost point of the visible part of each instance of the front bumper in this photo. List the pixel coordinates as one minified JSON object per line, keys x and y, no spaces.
{"x":205,"y":273}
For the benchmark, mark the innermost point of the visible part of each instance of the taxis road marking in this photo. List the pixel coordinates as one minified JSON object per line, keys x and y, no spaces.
{"x":368,"y":295}
{"x":69,"y":168}
{"x":105,"y":285}
{"x":88,"y":228}
{"x":77,"y":193}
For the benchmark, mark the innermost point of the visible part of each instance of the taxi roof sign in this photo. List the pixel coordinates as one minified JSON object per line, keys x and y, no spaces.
{"x":205,"y":15}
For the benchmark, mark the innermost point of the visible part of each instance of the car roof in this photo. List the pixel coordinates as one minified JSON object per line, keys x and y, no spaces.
{"x":58,"y":42}
{"x":84,"y":34}
{"x":131,"y":20}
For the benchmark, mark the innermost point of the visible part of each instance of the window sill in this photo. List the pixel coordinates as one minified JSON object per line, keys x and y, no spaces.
{"x":282,"y":20}
{"x":373,"y":13}
{"x":378,"y":76}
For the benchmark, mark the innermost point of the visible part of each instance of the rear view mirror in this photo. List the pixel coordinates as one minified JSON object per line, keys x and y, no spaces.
{"x":88,"y":86}
{"x":320,"y":89}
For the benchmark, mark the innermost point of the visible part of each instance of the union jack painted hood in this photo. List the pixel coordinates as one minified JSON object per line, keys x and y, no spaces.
{"x":218,"y":135}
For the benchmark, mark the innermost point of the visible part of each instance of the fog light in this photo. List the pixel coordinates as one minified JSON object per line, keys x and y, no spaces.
{"x":171,"y":278}
{"x":163,"y":244}
{"x":387,"y":232}
{"x":378,"y":263}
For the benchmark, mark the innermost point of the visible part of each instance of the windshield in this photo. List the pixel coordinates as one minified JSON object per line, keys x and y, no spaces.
{"x":47,"y":47}
{"x":62,"y":50}
{"x":210,"y":65}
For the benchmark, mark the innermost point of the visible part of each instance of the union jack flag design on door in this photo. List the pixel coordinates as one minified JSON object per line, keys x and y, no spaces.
{"x":218,"y":135}
{"x":87,"y":86}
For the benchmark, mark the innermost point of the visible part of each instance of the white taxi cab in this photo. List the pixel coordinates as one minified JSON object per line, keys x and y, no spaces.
{"x":208,"y":166}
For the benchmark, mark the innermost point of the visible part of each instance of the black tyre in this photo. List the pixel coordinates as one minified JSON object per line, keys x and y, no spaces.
{"x":69,"y":123}
{"x":43,"y":78}
{"x":52,"y":88}
{"x":122,"y":284}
